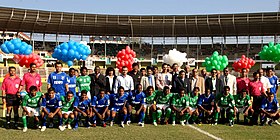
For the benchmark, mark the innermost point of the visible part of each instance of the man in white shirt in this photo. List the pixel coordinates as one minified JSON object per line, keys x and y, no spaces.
{"x":149,"y":79}
{"x":264,"y":80}
{"x":229,"y":80}
{"x":125,"y":81}
{"x":164,"y":78}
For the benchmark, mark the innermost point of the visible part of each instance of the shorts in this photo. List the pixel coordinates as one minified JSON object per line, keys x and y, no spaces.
{"x":12,"y":100}
{"x":148,"y":105}
{"x":162,"y":106}
{"x":242,"y":110}
{"x":136,"y":106}
{"x":100,"y":110}
{"x":67,"y":112}
{"x":33,"y":111}
{"x":116,"y":108}
{"x":192,"y":109}
{"x":88,"y":95}
{"x":51,"y":110}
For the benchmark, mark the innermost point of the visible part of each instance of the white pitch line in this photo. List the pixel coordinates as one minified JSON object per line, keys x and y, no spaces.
{"x":204,"y":132}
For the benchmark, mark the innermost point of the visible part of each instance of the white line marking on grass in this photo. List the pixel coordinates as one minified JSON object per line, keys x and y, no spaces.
{"x":204,"y":132}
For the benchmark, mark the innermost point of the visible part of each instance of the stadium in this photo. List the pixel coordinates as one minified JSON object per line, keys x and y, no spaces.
{"x":151,"y":37}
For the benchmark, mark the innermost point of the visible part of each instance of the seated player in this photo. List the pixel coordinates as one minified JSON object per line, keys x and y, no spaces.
{"x":225,"y":103}
{"x":31,"y":107}
{"x":82,"y":108}
{"x":67,"y":107}
{"x":119,"y":105}
{"x":150,"y":105}
{"x":179,"y":106}
{"x":100,"y":104}
{"x":136,"y":100}
{"x":269,"y":109}
{"x":193,"y":110}
{"x":243,"y":104}
{"x":205,"y":105}
{"x":163,"y":99}
{"x":50,"y":107}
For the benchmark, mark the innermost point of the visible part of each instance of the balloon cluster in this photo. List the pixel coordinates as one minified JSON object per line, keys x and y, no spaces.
{"x":68,"y":51}
{"x":175,"y":56}
{"x":16,"y":46}
{"x":216,"y":61}
{"x":243,"y":62}
{"x":270,"y":52}
{"x":125,"y":58}
{"x":26,"y":60}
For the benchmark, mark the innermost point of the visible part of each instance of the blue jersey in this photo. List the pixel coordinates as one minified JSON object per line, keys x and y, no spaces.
{"x":270,"y":106}
{"x":51,"y":103}
{"x":58,"y":81}
{"x":100,"y":102}
{"x":117,"y":100}
{"x":72,"y":84}
{"x":205,"y":102}
{"x":136,"y":98}
{"x":274,"y":83}
{"x":82,"y":105}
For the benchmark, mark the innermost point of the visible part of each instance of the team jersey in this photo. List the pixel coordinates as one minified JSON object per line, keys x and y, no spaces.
{"x":117,"y":100}
{"x":100,"y":102}
{"x":178,"y":101}
{"x":33,"y":102}
{"x":151,"y":99}
{"x":274,"y":83}
{"x":241,"y":102}
{"x":193,"y":101}
{"x":72,"y":84}
{"x":82,"y":105}
{"x":225,"y":101}
{"x":161,"y":98}
{"x":51,"y":103}
{"x":58,"y":81}
{"x":83,"y":83}
{"x":67,"y":105}
{"x":270,"y":106}
{"x":136,"y":98}
{"x":205,"y":101}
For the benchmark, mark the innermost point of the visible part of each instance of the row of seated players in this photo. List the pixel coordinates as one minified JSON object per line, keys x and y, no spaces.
{"x":159,"y":106}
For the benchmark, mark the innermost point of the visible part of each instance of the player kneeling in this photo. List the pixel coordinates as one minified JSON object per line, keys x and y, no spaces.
{"x":150,"y":105}
{"x":193,"y":110}
{"x":225,"y":103}
{"x":205,"y":105}
{"x":243,"y":104}
{"x":179,"y":106}
{"x":82,"y":109}
{"x":136,"y":99}
{"x":50,"y":107}
{"x":67,"y":110}
{"x":100,"y":104}
{"x":119,"y":102}
{"x":269,"y":109}
{"x":30,"y":105}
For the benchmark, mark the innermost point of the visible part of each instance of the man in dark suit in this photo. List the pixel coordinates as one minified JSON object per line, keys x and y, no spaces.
{"x":135,"y":74}
{"x":182,"y":82}
{"x":97,"y":81}
{"x":175,"y":72}
{"x":214,"y":83}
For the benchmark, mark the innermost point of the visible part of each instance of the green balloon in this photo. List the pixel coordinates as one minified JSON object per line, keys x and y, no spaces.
{"x":265,"y":47}
{"x":215,"y":53}
{"x":208,"y":62}
{"x":208,"y":69}
{"x":215,"y":62}
{"x":270,"y":44}
{"x":218,"y":67}
{"x":207,"y":59}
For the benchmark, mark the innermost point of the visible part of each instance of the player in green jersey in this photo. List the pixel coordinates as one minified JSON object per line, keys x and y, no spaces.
{"x":243,"y":104}
{"x":67,"y":107}
{"x":163,"y":99}
{"x":31,"y":107}
{"x":193,"y":110}
{"x":225,"y":103}
{"x":150,"y":103}
{"x":179,"y":106}
{"x":83,"y":81}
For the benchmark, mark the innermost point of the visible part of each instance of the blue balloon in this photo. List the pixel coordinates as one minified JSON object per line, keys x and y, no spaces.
{"x":54,"y":55}
{"x":88,"y":52}
{"x":29,"y":47}
{"x":24,"y":43}
{"x":4,"y":49}
{"x":16,"y":51}
{"x":84,"y":57}
{"x":58,"y":47}
{"x":17,"y":40}
{"x":71,"y":53}
{"x":71,"y":43}
{"x":17,"y":45}
{"x":70,"y":63}
{"x":72,"y":48}
{"x":77,"y":55}
{"x":11,"y":47}
{"x":64,"y":52}
{"x":76,"y":44}
{"x":64,"y":58}
{"x":13,"y":41}
{"x":27,"y":52}
{"x":64,"y":46}
{"x":22,"y":48}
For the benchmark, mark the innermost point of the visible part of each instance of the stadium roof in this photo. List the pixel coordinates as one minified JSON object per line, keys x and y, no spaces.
{"x":38,"y":21}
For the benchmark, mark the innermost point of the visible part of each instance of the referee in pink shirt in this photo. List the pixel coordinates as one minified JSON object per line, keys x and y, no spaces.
{"x":31,"y":78}
{"x":11,"y":96}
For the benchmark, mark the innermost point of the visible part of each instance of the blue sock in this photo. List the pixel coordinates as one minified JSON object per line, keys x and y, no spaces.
{"x":76,"y":122}
{"x":128,"y":116}
{"x":87,"y":120}
{"x":106,"y":119}
{"x":141,"y":116}
{"x":124,"y":117}
{"x":44,"y":121}
{"x":94,"y":119}
{"x":112,"y":119}
{"x":60,"y":121}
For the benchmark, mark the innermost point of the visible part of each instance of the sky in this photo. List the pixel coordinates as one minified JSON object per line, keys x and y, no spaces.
{"x":147,"y":7}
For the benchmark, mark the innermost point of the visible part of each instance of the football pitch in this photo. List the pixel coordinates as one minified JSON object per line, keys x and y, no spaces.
{"x":161,"y":132}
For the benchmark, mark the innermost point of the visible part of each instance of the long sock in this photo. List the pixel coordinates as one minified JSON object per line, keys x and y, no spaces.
{"x":141,"y":116}
{"x":168,"y":113}
{"x":16,"y":117}
{"x":36,"y":122}
{"x":94,"y":119}
{"x":154,"y":116}
{"x":231,"y":116}
{"x":77,"y":122}
{"x":113,"y":119}
{"x":64,"y":121}
{"x":24,"y":121}
{"x":159,"y":113}
{"x":106,"y":119}
{"x":70,"y":120}
{"x":194,"y":118}
{"x":245,"y":119}
{"x":173,"y":115}
{"x":216,"y":116}
{"x":51,"y":120}
{"x":87,"y":120}
{"x":8,"y":118}
{"x":128,"y":116}
{"x":44,"y":121}
{"x":188,"y":116}
{"x":124,"y":117}
{"x":60,"y":121}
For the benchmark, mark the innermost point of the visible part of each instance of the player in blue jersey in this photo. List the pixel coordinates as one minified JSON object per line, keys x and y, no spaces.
{"x":50,"y":107}
{"x":58,"y":80}
{"x":82,"y":109}
{"x":269,"y":109}
{"x":273,"y":79}
{"x":100,"y":104}
{"x":205,"y":105}
{"x":72,"y":81}
{"x":119,"y":105}
{"x":136,"y":100}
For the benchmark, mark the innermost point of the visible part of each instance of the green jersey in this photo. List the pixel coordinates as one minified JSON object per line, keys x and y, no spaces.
{"x":193,"y":101}
{"x":83,"y":83}
{"x":30,"y":101}
{"x":151,"y":99}
{"x":240,"y":102}
{"x":178,"y":101}
{"x":161,"y":98}
{"x":67,"y":105}
{"x":225,"y":101}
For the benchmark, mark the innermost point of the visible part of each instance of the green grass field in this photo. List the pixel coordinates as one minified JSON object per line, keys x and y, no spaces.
{"x":164,"y":132}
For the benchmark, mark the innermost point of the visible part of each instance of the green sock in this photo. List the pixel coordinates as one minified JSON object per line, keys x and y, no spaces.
{"x":173,"y":117}
{"x":154,"y":116}
{"x":194,"y":118}
{"x":188,"y":116}
{"x":168,"y":113}
{"x":24,"y":121}
{"x":231,"y":116}
{"x":245,"y":119}
{"x":70,"y":120}
{"x":159,"y":113}
{"x":216,"y":116}
{"x":64,"y":121}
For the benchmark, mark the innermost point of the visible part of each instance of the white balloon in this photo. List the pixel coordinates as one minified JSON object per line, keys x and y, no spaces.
{"x":175,"y":56}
